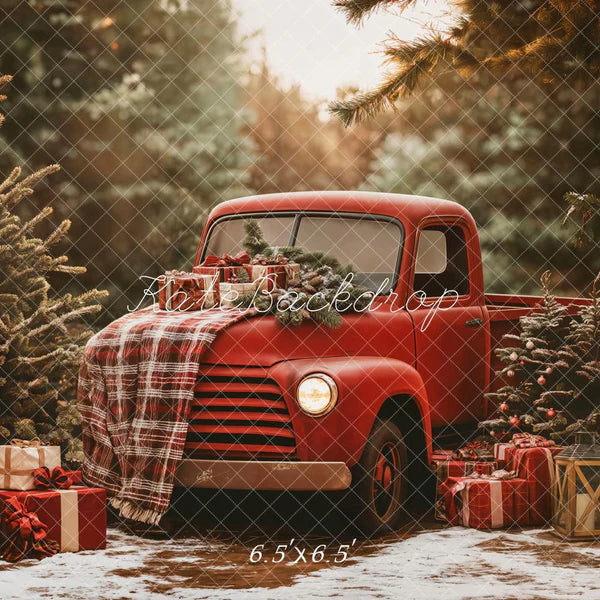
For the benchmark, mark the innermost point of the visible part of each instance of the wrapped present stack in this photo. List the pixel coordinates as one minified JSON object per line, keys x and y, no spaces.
{"x":44,"y":508}
{"x":221,"y":280}
{"x":475,"y":457}
{"x":516,"y":490}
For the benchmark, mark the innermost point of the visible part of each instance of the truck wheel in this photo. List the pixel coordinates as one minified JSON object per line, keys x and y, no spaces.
{"x":379,"y":480}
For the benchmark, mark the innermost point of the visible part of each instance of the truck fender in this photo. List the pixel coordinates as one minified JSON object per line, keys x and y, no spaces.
{"x":365,"y":384}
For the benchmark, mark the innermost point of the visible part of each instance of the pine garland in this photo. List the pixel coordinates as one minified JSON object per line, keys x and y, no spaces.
{"x":315,"y":295}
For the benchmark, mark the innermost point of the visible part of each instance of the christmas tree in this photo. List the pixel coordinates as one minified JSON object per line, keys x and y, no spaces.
{"x":574,"y":400}
{"x":41,"y":332}
{"x":530,"y":361}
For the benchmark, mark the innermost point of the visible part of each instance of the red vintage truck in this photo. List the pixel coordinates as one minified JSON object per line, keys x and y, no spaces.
{"x":357,"y":408}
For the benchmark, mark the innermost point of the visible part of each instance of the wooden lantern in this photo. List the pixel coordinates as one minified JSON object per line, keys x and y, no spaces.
{"x":577,"y":489}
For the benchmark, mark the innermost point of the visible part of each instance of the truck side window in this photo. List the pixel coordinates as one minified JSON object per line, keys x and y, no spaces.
{"x":441,"y":261}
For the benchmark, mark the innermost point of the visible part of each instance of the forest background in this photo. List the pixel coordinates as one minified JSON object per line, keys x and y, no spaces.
{"x":156,"y":111}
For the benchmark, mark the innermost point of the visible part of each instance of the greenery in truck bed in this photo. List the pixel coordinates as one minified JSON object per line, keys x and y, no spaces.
{"x":320,"y":281}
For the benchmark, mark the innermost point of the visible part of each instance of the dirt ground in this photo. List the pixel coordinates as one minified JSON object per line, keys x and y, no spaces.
{"x":297,"y":554}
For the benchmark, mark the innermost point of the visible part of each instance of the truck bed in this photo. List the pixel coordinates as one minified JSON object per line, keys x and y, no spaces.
{"x":505,"y":309}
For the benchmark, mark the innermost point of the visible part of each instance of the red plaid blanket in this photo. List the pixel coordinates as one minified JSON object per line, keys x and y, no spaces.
{"x":136,"y":381}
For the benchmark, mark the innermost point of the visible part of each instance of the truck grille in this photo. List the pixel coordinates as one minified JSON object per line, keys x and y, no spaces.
{"x":238,"y":412}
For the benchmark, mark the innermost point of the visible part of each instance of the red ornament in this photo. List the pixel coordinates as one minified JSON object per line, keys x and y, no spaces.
{"x":504,"y":407}
{"x":505,"y":394}
{"x":541,"y":380}
{"x":522,"y":363}
{"x":551,"y":413}
{"x":514,"y":421}
{"x":549,"y":370}
{"x":510,"y":373}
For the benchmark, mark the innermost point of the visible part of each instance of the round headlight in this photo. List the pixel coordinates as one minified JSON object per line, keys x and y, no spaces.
{"x":317,"y":394}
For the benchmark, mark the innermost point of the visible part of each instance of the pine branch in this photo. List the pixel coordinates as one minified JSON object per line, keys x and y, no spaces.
{"x":356,"y":11}
{"x":413,"y":61}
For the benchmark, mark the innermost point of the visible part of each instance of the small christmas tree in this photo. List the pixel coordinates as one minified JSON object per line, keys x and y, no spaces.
{"x":531,"y":360}
{"x":41,"y":333}
{"x":574,"y":402}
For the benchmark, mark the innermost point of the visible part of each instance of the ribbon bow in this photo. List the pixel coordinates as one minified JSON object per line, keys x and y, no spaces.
{"x":241,"y":258}
{"x":25,"y":443}
{"x":475,"y":450}
{"x":23,"y":533}
{"x":43,"y":478}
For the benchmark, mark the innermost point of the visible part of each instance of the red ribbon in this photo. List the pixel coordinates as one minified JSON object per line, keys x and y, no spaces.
{"x":44,"y":479}
{"x":22,"y":533}
{"x":241,"y":258}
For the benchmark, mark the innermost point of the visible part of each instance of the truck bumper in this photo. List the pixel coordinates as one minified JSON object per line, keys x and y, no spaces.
{"x":263,"y":475}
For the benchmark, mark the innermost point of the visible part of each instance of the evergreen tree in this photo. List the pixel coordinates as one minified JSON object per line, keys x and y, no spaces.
{"x":138,"y":100}
{"x":554,"y":41}
{"x":41,"y":332}
{"x":573,"y":400}
{"x":553,"y":371}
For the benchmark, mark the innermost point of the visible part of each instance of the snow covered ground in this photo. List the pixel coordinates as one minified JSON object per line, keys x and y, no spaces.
{"x":450,"y":564}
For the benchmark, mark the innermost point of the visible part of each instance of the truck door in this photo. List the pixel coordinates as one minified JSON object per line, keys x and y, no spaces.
{"x":448,"y":318}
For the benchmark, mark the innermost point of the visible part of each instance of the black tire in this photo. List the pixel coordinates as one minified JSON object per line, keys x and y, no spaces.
{"x":379,"y":483}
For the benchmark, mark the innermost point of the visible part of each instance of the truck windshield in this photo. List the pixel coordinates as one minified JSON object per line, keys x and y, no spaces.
{"x":371,"y":246}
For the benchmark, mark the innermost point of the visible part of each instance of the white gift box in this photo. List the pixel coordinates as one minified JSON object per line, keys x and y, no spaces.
{"x":17,"y":464}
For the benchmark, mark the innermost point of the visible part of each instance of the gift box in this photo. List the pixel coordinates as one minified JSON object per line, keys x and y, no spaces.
{"x":225,"y":268}
{"x":19,"y":460}
{"x":536,"y":466}
{"x":505,"y":450}
{"x":231,"y":292}
{"x":501,"y":449}
{"x":445,"y":467}
{"x":179,"y":291}
{"x":486,"y":502}
{"x":76,"y":517}
{"x":272,"y":276}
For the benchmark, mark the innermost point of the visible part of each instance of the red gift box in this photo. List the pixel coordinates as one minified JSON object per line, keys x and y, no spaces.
{"x":445,"y":467}
{"x":270,"y":277}
{"x":179,"y":291}
{"x":536,"y":466}
{"x":76,"y":517}
{"x":486,"y":503}
{"x":223,"y":274}
{"x":505,"y":451}
{"x":225,"y":268}
{"x":501,"y":449}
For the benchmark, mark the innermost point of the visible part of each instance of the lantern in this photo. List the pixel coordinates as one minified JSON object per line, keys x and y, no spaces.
{"x":577,"y":489}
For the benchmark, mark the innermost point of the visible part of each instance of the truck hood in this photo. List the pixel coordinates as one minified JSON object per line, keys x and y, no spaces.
{"x":263,"y":341}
